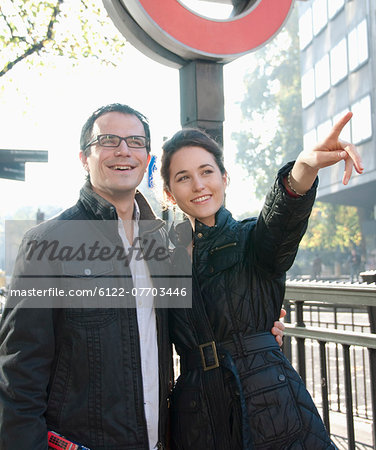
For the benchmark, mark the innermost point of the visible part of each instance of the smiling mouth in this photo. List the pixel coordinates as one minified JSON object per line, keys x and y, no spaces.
{"x":121,"y":168}
{"x":201,"y":199}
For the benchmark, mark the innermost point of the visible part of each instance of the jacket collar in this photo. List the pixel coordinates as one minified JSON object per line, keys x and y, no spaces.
{"x":222,"y":217}
{"x":181,"y":234}
{"x":97,"y":207}
{"x":100,"y":209}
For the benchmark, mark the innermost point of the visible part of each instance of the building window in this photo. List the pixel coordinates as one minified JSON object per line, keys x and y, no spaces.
{"x":322,"y":76}
{"x":361,"y":124}
{"x":319,"y":15}
{"x":334,"y":6}
{"x":358,"y":45}
{"x":338,"y":62}
{"x":305,"y":29}
{"x":346,"y":130}
{"x":308,"y":88}
{"x":309,"y":139}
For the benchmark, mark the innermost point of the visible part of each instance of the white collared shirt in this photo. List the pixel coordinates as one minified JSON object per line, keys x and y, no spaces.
{"x":147,"y":328}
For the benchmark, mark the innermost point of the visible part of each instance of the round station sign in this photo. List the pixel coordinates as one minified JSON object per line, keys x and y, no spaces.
{"x":170,"y":32}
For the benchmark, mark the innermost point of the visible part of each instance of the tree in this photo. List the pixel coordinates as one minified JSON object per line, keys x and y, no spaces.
{"x":333,"y":230}
{"x":272,"y":109}
{"x":71,"y":28}
{"x":272,"y":113}
{"x":334,"y":227}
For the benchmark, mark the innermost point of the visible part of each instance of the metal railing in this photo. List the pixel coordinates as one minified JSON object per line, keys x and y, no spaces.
{"x":323,"y":318}
{"x":326,"y":318}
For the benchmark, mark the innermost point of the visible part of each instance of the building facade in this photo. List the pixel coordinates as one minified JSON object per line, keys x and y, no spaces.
{"x":338,"y":74}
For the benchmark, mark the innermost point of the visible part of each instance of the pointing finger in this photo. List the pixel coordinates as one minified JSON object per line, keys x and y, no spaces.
{"x":338,"y":126}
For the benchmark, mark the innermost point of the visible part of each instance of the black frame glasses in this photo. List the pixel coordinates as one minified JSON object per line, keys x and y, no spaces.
{"x":113,"y":141}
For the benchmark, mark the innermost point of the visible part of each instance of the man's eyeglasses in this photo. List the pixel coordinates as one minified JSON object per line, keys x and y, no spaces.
{"x":111,"y":140}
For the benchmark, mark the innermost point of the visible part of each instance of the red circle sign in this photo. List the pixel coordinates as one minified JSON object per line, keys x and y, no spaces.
{"x":174,"y":27}
{"x":214,"y":37}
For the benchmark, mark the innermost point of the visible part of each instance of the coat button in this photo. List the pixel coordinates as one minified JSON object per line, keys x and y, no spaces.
{"x":199,"y":235}
{"x":193,"y":404}
{"x":281,"y":378}
{"x":87,"y":271}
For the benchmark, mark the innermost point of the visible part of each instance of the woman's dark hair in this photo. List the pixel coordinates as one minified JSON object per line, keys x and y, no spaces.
{"x":87,"y":129}
{"x":188,"y":137}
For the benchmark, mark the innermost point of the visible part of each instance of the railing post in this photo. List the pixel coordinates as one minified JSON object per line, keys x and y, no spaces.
{"x":324,"y":386}
{"x":287,"y":339}
{"x":300,"y":342}
{"x":349,"y":402}
{"x":372,"y":369}
{"x":337,"y":363}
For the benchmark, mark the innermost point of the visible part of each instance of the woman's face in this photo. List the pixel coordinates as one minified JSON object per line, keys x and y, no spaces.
{"x":196,"y":183}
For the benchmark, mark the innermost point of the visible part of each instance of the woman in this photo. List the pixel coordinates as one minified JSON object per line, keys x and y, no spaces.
{"x":236,"y":389}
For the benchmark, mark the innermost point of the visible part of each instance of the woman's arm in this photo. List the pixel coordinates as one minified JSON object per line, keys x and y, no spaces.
{"x":284,"y":217}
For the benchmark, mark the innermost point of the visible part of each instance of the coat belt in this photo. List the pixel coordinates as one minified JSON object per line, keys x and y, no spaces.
{"x":208,"y":356}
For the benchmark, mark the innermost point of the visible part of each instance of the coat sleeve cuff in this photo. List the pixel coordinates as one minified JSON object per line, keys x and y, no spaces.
{"x":283,"y":173}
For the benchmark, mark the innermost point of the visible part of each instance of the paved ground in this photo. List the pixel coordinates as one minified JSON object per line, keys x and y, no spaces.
{"x":362,"y":428}
{"x":361,"y":383}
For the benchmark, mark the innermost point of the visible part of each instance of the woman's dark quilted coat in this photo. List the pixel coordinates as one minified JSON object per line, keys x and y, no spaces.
{"x":254,"y":399}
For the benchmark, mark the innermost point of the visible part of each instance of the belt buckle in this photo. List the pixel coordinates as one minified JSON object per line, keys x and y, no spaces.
{"x":215,"y":355}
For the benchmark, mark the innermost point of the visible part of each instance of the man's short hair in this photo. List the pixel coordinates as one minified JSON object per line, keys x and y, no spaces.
{"x":87,"y":129}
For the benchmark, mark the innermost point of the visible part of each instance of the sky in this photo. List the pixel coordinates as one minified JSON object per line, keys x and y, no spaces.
{"x":45,"y":108}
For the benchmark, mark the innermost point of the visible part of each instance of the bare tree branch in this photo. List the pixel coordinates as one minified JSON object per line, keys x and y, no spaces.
{"x":36,"y":47}
{"x":35,"y":28}
{"x":55,"y":13}
{"x":26,"y":54}
{"x":11,"y":30}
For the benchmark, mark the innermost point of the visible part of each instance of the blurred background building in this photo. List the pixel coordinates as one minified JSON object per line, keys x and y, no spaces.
{"x":338,"y":73}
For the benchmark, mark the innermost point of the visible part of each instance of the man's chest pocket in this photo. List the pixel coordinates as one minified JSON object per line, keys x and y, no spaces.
{"x":94,"y":284}
{"x":87,"y":270}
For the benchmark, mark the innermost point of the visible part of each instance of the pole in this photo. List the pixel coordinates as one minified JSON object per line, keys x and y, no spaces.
{"x":202,"y":97}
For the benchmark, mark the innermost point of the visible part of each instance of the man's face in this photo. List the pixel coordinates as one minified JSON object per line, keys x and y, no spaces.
{"x":116,"y":172}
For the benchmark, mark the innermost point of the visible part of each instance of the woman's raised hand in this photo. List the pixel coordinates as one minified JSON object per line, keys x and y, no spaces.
{"x":327,"y":153}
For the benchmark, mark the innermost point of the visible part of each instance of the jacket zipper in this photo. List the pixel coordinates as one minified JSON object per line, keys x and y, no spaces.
{"x":231,"y":244}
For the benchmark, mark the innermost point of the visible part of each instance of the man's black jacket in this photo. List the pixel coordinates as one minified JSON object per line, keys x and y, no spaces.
{"x":75,"y":367}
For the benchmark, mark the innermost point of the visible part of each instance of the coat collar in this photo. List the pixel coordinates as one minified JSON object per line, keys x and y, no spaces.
{"x":100,"y":209}
{"x":222,"y":217}
{"x":182,"y":233}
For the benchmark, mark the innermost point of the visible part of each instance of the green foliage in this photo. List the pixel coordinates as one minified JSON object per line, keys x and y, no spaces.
{"x":333,"y":227}
{"x":71,"y":28}
{"x":272,"y":109}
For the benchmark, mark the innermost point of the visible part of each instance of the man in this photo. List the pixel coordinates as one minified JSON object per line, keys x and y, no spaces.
{"x":99,"y":376}
{"x":92,"y":368}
